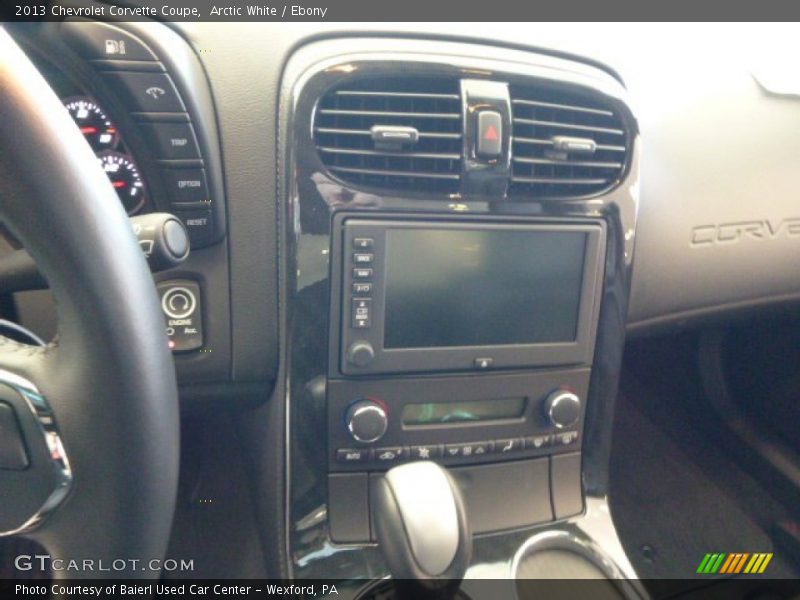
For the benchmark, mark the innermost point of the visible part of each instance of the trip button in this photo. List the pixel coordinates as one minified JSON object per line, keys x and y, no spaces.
{"x":186,"y":186}
{"x":352,"y":455}
{"x":389,"y":455}
{"x":362,"y":273}
{"x":99,"y":41}
{"x":146,"y":92}
{"x":171,"y":141}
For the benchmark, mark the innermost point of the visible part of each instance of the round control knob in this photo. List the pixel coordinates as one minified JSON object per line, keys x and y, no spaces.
{"x":366,"y":421}
{"x":563,"y":408}
{"x":360,"y":354}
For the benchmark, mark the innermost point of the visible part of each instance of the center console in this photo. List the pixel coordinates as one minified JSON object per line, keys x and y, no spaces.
{"x":460,"y":225}
{"x":486,"y":300}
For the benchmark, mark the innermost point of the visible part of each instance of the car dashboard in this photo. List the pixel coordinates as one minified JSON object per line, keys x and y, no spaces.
{"x":371,"y":210}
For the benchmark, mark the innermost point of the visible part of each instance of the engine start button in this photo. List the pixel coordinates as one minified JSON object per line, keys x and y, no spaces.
{"x":178,"y":303}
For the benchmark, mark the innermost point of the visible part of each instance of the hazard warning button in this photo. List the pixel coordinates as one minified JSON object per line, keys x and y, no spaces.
{"x":490,"y":134}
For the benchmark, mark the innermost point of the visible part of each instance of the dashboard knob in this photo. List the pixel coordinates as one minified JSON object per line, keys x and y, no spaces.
{"x":360,"y":354}
{"x":366,"y":421}
{"x":562,"y":408}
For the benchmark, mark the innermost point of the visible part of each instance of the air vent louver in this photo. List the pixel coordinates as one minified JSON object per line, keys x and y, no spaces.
{"x":565,"y":144}
{"x":344,"y":132}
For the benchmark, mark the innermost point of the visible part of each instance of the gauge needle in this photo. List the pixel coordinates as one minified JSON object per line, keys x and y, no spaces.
{"x":88,"y":130}
{"x":118,"y":184}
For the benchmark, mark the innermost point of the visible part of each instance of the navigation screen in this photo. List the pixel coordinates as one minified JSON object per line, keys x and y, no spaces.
{"x":466,"y":287}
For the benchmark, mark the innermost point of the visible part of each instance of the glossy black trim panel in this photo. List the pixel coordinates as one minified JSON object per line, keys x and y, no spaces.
{"x":309,"y":198}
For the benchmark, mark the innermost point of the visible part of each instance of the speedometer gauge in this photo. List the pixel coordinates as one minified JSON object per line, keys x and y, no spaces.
{"x":125,"y":179}
{"x":93,"y":122}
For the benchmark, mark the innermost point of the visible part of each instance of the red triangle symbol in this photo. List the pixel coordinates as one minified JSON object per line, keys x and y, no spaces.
{"x":491,"y":133}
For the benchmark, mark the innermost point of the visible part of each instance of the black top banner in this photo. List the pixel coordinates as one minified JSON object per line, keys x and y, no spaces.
{"x":395,"y":10}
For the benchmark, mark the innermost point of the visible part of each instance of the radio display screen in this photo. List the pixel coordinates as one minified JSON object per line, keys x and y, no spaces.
{"x":438,"y":413}
{"x":471,"y":287}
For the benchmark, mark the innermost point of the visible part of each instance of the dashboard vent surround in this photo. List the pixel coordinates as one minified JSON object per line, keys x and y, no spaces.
{"x":397,"y":133}
{"x":565,"y":143}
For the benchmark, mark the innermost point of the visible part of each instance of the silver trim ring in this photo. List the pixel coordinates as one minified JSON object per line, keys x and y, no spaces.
{"x":563,"y":540}
{"x":561,"y":396}
{"x":45,"y":420}
{"x":361,"y":410}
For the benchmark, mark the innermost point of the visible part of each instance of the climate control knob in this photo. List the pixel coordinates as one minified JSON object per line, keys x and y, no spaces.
{"x":366,"y":421}
{"x":562,"y":408}
{"x":360,"y":354}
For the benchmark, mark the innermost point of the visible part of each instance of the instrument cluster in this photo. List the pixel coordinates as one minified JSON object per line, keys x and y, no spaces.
{"x":102,"y":134}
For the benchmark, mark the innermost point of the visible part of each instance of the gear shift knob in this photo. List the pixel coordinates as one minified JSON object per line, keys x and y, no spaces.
{"x":422,"y":530}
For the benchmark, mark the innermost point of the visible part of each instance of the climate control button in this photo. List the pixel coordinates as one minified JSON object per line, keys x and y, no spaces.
{"x":353,"y":455}
{"x":426,"y":452}
{"x":535,"y":442}
{"x":565,"y":438}
{"x":390,"y":454}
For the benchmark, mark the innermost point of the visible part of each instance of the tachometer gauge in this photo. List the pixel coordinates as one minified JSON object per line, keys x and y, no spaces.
{"x":93,"y":122}
{"x":125,"y":178}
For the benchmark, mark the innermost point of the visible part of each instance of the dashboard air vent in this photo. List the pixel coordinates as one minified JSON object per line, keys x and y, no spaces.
{"x":395,"y":133}
{"x":565,"y":143}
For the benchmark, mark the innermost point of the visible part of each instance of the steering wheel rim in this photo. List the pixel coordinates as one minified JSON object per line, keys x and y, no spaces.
{"x":107,"y":383}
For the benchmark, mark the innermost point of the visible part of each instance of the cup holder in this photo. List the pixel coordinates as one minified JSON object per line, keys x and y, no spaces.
{"x":551,"y":565}
{"x":556,"y":564}
{"x":383,"y":589}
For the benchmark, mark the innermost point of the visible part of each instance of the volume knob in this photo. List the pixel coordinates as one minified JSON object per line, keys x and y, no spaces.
{"x":562,"y":408}
{"x":366,"y":421}
{"x":360,"y":354}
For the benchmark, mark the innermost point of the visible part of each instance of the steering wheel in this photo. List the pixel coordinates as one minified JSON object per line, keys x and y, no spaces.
{"x":89,"y":423}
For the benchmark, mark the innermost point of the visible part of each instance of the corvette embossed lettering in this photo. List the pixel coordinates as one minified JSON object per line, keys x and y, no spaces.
{"x":728,"y":233}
